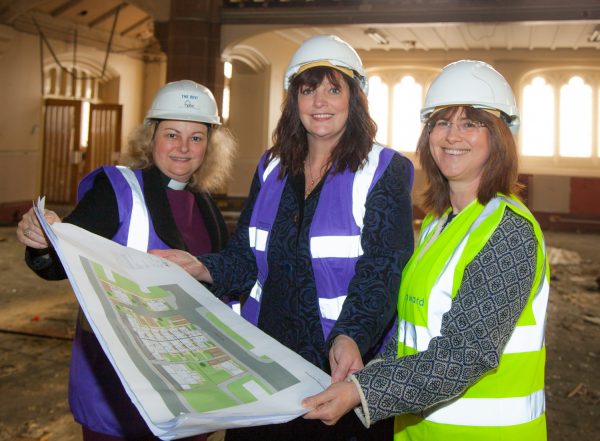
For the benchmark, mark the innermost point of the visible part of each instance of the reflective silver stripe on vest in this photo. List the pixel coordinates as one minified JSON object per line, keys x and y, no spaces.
{"x":331,"y":308}
{"x":530,"y":338}
{"x":256,"y":292}
{"x":362,"y":183}
{"x":139,"y":228}
{"x":323,"y":247}
{"x":335,"y":246}
{"x":257,"y":238}
{"x":270,"y":167}
{"x":490,"y":411}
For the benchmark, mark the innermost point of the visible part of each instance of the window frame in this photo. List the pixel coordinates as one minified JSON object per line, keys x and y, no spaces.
{"x":557,"y":77}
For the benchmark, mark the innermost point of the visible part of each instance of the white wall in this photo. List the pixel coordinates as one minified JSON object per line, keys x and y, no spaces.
{"x":20,"y":115}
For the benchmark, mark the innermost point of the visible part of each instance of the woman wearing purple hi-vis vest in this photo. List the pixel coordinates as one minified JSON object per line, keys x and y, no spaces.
{"x":177,"y":156}
{"x":321,"y":243}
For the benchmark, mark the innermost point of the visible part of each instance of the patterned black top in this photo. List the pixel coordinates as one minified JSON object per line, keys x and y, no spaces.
{"x":289,"y":308}
{"x":474,"y":331}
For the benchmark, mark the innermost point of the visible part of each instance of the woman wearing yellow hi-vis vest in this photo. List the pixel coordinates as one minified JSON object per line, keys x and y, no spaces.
{"x":468,"y":360}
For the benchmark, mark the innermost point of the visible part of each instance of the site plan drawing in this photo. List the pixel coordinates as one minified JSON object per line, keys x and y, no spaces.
{"x":188,"y":362}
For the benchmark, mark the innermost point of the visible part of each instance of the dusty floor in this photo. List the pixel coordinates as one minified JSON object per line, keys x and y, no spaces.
{"x":37,"y":318}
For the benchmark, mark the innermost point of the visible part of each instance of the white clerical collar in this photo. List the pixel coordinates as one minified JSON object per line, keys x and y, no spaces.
{"x":176,"y":185}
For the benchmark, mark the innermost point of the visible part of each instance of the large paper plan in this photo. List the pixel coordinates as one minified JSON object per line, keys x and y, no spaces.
{"x":188,"y":362}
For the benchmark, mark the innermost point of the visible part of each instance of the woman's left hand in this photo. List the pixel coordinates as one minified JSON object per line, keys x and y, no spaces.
{"x":333,"y":403}
{"x":344,"y":358}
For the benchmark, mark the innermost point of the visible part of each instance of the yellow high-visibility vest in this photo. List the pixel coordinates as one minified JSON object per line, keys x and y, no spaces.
{"x":508,"y":402}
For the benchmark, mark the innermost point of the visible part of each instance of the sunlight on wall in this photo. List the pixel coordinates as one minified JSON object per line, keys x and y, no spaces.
{"x":227,"y":73}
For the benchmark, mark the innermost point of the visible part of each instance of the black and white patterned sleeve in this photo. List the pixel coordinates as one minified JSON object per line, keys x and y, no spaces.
{"x":494,"y":291}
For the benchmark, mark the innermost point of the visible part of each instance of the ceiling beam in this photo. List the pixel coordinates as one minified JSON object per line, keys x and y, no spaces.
{"x":64,"y":7}
{"x":107,"y":14}
{"x":407,"y":11}
{"x":135,"y":25}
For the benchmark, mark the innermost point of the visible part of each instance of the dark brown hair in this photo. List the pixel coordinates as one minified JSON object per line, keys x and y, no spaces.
{"x":290,"y":142}
{"x":500,"y":173}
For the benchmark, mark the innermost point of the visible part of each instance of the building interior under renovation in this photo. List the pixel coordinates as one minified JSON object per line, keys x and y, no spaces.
{"x":77,"y":76}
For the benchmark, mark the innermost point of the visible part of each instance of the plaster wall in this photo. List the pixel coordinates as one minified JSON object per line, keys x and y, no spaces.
{"x":20,"y":115}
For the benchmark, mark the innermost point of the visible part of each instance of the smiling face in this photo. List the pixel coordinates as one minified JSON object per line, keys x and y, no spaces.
{"x":324,"y":110}
{"x":461,"y":155}
{"x":179,"y":148}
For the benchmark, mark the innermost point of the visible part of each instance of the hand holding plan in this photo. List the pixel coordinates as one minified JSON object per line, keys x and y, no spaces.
{"x":188,"y":362}
{"x":185,"y":260}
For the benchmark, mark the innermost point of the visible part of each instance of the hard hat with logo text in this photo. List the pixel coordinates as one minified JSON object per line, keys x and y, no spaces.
{"x":472,"y":83}
{"x":184,"y":100}
{"x":330,"y":51}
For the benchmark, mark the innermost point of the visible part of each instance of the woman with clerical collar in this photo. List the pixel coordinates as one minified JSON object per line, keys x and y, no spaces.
{"x":159,"y":200}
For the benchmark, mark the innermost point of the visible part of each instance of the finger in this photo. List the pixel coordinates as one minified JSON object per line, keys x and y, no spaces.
{"x":159,"y":253}
{"x":323,"y":413}
{"x":340,"y":371}
{"x":332,"y":361}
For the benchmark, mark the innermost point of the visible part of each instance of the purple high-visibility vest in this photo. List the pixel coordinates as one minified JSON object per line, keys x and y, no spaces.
{"x":136,"y":229}
{"x":96,"y":397}
{"x":335,"y":231}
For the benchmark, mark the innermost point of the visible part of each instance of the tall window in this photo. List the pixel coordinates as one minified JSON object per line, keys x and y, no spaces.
{"x":394,"y":102}
{"x":576,"y":119}
{"x":538,"y":119}
{"x":408,"y":95}
{"x":561,"y":116}
{"x":378,"y":107}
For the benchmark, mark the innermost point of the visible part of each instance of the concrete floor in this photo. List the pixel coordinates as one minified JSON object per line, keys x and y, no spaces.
{"x":37,"y":320}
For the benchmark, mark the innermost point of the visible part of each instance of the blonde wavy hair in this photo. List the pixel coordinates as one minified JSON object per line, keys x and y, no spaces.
{"x":216,"y":166}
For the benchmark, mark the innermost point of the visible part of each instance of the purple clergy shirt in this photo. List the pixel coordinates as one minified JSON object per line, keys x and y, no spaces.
{"x":189,"y":221}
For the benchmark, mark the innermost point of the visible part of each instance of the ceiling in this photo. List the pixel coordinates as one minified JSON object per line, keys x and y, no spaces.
{"x":93,"y":21}
{"x":86,"y":22}
{"x":460,"y":36}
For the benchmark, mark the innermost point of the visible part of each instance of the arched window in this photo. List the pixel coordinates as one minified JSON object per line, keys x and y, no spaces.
{"x":395,"y":99}
{"x":378,"y":107}
{"x":560,"y":121}
{"x":576,"y":119}
{"x":406,"y":125}
{"x":538,"y":118}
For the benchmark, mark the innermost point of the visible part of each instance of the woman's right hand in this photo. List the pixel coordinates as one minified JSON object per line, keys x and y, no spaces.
{"x":29,"y":230}
{"x":188,"y":262}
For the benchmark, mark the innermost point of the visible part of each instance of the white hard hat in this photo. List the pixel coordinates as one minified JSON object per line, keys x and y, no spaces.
{"x":472,"y":83}
{"x":184,"y":100}
{"x":327,"y":50}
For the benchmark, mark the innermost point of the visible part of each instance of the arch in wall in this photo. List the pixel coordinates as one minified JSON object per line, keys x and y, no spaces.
{"x":249,"y":55}
{"x":248,"y":110}
{"x":82,"y":81}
